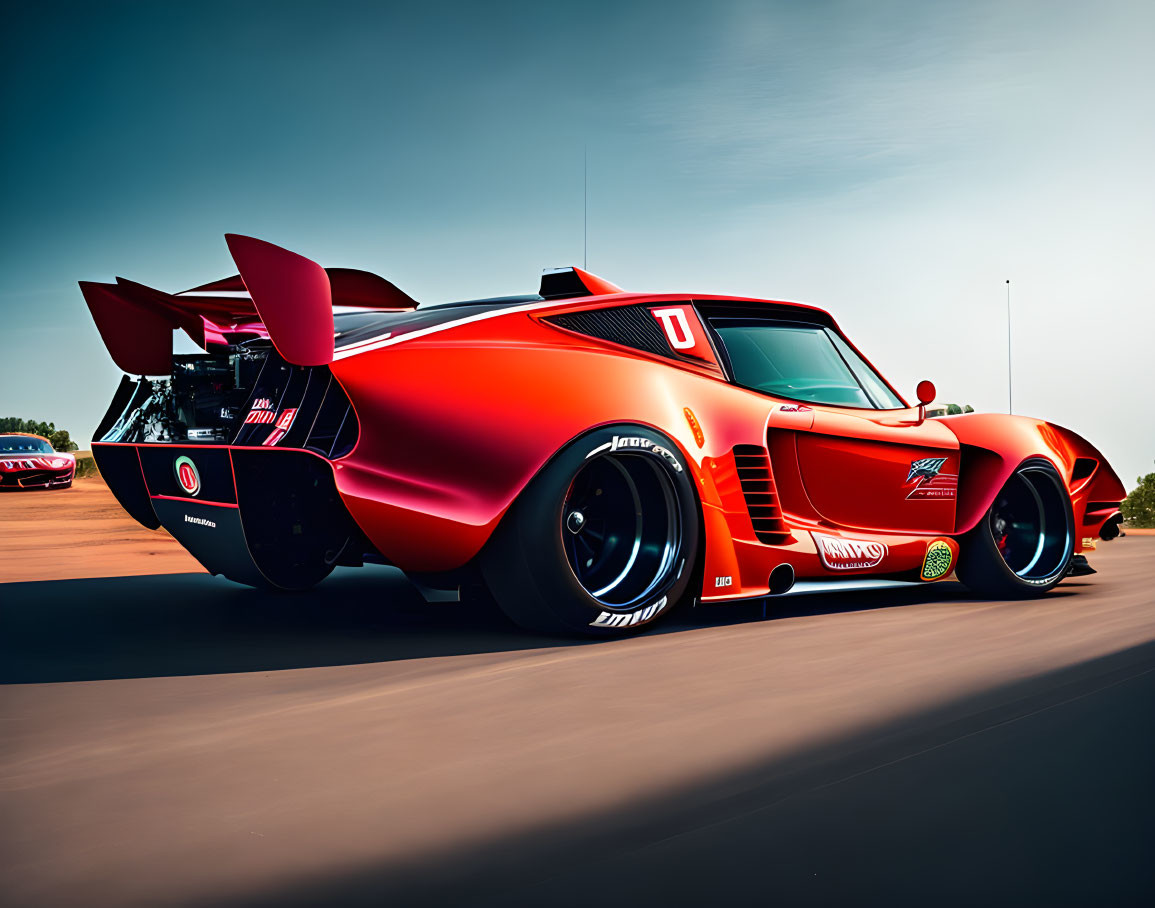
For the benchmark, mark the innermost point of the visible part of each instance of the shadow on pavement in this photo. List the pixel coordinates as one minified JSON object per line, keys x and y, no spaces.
{"x":192,"y":624}
{"x":1037,"y":793}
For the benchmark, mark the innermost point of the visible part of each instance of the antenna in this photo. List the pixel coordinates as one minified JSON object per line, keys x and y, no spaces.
{"x":585,"y":207}
{"x":1010,"y":391}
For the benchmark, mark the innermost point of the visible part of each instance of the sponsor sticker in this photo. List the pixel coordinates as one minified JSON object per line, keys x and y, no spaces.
{"x":841,"y":553}
{"x":260,"y":416}
{"x":187,"y":475}
{"x":1089,"y":542}
{"x":200,"y":521}
{"x":723,"y":581}
{"x":676,"y":326}
{"x":929,"y":482}
{"x":794,"y":408}
{"x":684,"y":332}
{"x":284,"y":421}
{"x":938,"y":561}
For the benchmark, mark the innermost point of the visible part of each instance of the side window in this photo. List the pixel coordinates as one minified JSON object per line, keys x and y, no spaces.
{"x":800,"y":361}
{"x":879,"y":391}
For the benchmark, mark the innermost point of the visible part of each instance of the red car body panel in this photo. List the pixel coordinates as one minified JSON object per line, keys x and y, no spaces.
{"x":457,"y":418}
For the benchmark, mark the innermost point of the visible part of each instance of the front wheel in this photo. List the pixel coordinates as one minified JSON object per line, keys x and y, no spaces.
{"x":604,"y":540}
{"x":1023,"y":545}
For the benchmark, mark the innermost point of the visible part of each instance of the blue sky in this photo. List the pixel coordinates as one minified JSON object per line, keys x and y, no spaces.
{"x":892,"y":162}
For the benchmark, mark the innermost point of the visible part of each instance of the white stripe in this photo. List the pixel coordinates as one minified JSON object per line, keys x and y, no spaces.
{"x":354,"y":348}
{"x":386,"y":340}
{"x":223,"y":294}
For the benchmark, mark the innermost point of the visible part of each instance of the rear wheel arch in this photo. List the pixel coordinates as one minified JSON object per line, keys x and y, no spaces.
{"x":530,"y":561}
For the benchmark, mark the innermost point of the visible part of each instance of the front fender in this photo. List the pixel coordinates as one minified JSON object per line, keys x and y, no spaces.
{"x":993,"y":445}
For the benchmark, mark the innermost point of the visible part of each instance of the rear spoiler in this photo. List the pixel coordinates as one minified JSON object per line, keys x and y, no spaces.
{"x":277,"y":294}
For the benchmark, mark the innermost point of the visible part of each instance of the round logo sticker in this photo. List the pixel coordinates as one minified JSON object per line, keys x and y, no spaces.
{"x":187,"y":475}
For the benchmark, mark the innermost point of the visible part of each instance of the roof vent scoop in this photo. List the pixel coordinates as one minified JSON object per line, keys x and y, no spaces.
{"x":567,"y":283}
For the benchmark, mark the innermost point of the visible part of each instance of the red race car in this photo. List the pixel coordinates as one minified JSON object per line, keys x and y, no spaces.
{"x":30,"y":462}
{"x":593,"y":456}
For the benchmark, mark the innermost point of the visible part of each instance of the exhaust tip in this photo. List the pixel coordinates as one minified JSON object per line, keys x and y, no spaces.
{"x":781,"y":579}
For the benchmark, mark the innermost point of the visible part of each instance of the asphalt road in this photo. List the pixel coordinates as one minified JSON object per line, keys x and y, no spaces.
{"x":178,"y":740}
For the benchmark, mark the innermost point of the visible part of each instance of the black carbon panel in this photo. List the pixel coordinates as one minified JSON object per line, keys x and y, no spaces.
{"x":630,"y":326}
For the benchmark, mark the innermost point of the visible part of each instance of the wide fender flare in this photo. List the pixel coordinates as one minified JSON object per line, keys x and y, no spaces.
{"x":993,"y":445}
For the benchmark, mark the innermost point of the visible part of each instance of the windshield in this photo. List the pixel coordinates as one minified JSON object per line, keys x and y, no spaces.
{"x":24,"y":444}
{"x":802,"y":362}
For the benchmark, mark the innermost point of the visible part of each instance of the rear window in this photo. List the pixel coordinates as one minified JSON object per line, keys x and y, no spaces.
{"x":801,"y":361}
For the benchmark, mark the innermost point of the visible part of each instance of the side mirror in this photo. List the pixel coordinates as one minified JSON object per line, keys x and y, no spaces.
{"x":925,"y":392}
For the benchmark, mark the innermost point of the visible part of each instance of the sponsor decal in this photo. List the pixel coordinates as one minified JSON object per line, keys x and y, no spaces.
{"x":262,"y":403}
{"x":723,"y":581}
{"x":841,"y":553}
{"x":187,"y":475}
{"x":629,"y":619}
{"x":794,"y":408}
{"x":284,"y":421}
{"x":199,"y":521}
{"x":259,"y":416}
{"x":930,"y":483}
{"x":1089,"y":542}
{"x":684,"y":332}
{"x":938,"y":561}
{"x":692,"y":421}
{"x":636,"y":443}
{"x":676,"y":326}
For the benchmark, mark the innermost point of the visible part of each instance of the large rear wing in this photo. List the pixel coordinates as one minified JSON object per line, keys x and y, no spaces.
{"x":277,"y":294}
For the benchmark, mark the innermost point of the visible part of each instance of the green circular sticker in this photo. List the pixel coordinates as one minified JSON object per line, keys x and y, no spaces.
{"x":938,"y":560}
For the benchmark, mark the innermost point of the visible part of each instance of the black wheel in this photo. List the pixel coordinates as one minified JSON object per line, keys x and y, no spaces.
{"x":603,"y":540}
{"x":1023,"y":545}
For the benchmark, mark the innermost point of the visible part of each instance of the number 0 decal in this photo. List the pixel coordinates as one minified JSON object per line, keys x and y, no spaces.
{"x":684,"y":332}
{"x":676,"y":326}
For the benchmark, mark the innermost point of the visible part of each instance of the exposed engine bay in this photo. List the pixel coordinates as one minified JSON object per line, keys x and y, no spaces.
{"x":244,"y":394}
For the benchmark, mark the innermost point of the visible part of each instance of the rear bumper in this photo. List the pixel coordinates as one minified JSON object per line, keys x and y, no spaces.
{"x":259,"y":516}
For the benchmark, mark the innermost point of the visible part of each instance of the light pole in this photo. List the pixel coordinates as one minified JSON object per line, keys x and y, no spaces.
{"x":1010,"y":380}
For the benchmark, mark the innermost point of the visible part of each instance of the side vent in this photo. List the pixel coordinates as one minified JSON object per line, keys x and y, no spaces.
{"x":630,"y":326}
{"x":754,"y":473}
{"x":1084,"y":467}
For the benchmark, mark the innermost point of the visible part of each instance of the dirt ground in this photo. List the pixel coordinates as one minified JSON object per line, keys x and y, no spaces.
{"x":64,"y":534}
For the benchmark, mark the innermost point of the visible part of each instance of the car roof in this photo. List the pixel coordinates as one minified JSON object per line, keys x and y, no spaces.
{"x":354,"y":328}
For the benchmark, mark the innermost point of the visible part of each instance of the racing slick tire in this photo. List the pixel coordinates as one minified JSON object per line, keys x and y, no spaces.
{"x":1024,"y":543}
{"x":603,"y":541}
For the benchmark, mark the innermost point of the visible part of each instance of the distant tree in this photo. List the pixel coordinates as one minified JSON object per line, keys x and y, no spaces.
{"x":1139,"y":508}
{"x":953,"y":409}
{"x":58,"y":438}
{"x":968,"y":409}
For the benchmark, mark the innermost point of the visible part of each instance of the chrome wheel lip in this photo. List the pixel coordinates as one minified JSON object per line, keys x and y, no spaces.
{"x":631,"y":467}
{"x":1002,"y":522}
